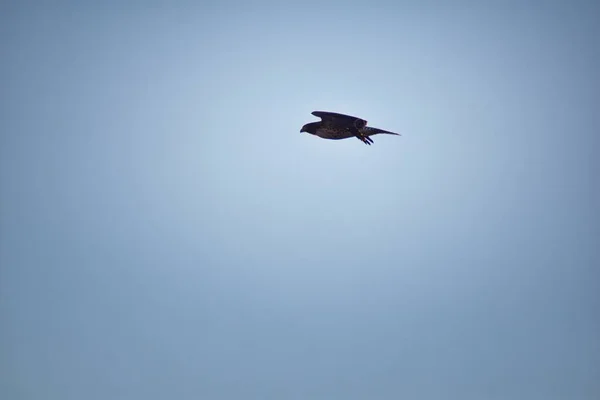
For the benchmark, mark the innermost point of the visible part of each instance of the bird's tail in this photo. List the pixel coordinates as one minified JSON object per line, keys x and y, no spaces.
{"x":369,"y":131}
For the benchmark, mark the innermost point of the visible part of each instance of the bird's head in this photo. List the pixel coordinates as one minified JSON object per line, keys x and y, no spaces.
{"x":310,"y":128}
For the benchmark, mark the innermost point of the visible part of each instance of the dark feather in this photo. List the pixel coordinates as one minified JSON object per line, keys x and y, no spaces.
{"x":339,"y":120}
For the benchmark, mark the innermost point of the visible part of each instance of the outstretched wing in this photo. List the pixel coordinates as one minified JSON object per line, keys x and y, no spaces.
{"x":332,"y":119}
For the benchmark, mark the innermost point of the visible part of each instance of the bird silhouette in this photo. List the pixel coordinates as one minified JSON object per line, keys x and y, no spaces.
{"x":337,"y":126}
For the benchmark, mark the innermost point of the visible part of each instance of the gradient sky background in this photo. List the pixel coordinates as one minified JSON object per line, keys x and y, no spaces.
{"x":168,"y":233}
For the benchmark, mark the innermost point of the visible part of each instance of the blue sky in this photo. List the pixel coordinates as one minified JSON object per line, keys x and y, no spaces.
{"x":167,"y":232}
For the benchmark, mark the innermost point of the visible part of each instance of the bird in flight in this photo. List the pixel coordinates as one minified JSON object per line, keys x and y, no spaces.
{"x":339,"y":126}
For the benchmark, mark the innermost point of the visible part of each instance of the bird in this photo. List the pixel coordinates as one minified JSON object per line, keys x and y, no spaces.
{"x":337,"y":126}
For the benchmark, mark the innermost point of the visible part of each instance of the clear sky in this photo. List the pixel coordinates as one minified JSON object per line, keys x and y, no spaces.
{"x":167,"y":232}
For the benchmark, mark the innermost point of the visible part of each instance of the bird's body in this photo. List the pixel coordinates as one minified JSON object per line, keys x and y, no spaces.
{"x":340,"y":126}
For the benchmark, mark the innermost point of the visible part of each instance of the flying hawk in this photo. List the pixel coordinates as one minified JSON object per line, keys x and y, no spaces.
{"x":339,"y":126}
